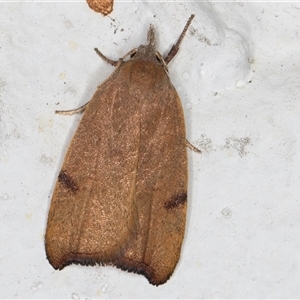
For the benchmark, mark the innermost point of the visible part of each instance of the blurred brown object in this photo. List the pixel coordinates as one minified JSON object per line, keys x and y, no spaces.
{"x":105,"y":7}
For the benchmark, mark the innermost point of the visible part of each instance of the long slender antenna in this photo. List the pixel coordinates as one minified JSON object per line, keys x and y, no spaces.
{"x":175,"y":47}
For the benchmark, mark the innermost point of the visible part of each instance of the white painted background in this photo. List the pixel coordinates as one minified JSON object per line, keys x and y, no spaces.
{"x":243,"y":229}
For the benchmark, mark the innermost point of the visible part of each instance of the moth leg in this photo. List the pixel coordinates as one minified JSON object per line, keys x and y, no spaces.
{"x":192,"y":147}
{"x":106,"y":59}
{"x":72,"y":111}
{"x":160,"y":57}
{"x":114,"y":63}
{"x":175,"y":47}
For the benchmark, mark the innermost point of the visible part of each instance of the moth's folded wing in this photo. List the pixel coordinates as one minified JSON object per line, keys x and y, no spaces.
{"x":161,"y":186}
{"x":92,"y":216}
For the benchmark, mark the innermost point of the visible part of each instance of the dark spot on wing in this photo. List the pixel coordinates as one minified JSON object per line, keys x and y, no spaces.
{"x":67,"y":181}
{"x":176,"y":200}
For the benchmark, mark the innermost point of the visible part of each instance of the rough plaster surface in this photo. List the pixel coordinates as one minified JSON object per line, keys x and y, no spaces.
{"x":237,"y":74}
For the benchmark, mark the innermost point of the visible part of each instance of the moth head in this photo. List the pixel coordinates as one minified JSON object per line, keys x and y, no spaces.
{"x":147,"y":52}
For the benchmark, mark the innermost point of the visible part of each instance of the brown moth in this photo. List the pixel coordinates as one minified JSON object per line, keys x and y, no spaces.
{"x":121,"y":195}
{"x":101,"y":6}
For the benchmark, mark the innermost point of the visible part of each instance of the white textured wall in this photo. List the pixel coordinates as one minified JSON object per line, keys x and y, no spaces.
{"x":243,"y":229}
